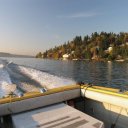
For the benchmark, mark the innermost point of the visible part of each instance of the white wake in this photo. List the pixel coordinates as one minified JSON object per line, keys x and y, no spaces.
{"x":15,"y":78}
{"x":46,"y":80}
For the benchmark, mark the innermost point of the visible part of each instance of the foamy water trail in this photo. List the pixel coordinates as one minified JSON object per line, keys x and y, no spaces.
{"x":46,"y":80}
{"x":27,"y":79}
{"x":4,"y":80}
{"x":6,"y":85}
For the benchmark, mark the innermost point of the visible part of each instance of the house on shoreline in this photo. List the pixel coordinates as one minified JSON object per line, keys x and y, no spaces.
{"x":66,"y":56}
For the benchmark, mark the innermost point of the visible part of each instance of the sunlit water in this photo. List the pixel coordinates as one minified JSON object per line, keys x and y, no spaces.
{"x":30,"y":74}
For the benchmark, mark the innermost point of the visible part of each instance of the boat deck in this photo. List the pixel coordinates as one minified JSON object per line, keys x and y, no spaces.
{"x":55,"y":116}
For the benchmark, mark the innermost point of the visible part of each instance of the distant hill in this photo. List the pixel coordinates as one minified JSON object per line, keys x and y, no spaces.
{"x":3,"y":54}
{"x":97,"y":46}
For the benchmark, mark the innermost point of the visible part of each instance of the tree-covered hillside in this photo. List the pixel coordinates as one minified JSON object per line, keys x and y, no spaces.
{"x":97,"y":46}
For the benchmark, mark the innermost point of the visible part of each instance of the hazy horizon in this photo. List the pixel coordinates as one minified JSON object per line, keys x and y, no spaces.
{"x":31,"y":26}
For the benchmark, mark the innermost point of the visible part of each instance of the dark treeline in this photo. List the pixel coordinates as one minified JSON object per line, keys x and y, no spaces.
{"x":98,"y":46}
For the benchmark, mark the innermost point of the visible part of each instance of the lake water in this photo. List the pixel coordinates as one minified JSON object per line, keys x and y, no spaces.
{"x":112,"y":74}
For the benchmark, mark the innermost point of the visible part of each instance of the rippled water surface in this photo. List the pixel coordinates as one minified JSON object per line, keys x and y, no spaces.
{"x":112,"y":74}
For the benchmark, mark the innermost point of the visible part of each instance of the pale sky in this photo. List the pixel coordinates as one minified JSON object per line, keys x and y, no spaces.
{"x":30,"y":26}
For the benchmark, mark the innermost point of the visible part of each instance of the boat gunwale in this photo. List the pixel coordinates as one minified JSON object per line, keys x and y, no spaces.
{"x":100,"y":89}
{"x":106,"y":90}
{"x":38,"y":94}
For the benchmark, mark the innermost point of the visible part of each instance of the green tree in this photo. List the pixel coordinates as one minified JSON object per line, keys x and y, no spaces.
{"x":39,"y":55}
